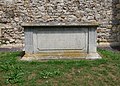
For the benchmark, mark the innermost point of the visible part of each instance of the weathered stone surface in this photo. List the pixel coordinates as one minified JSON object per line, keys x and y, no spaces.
{"x":42,"y":37}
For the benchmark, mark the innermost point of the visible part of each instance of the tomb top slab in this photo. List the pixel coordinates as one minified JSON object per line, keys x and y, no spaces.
{"x":92,"y":24}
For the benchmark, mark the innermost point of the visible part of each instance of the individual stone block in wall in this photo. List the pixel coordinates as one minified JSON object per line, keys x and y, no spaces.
{"x":8,"y":2}
{"x":8,"y":26}
{"x":1,"y":12}
{"x":12,"y":40}
{"x":84,"y":19}
{"x":97,"y":16}
{"x":98,"y":30}
{"x":1,"y":28}
{"x":109,"y":26}
{"x":0,"y":32}
{"x":4,"y":20}
{"x":118,"y":5}
{"x":71,"y":18}
{"x":18,"y":41}
{"x":16,"y":19}
{"x":114,"y":29}
{"x":118,"y":16}
{"x":90,"y":17}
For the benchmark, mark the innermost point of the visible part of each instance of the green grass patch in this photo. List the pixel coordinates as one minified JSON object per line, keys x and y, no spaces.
{"x":102,"y":72}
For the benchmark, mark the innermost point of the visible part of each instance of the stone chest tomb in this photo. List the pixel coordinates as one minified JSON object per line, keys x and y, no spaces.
{"x":51,"y":41}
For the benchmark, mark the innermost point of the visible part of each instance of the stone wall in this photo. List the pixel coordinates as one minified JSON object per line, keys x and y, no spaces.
{"x":116,"y":19}
{"x":14,"y":12}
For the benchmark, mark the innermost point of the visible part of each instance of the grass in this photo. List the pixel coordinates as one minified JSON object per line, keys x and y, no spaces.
{"x":103,"y":72}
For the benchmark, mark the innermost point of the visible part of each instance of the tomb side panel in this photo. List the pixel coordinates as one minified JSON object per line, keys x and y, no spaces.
{"x":29,"y":40}
{"x":62,"y":38}
{"x":92,"y":41}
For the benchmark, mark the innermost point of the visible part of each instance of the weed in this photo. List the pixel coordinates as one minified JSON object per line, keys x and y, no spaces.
{"x":13,"y":71}
{"x":14,"y":77}
{"x":47,"y":74}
